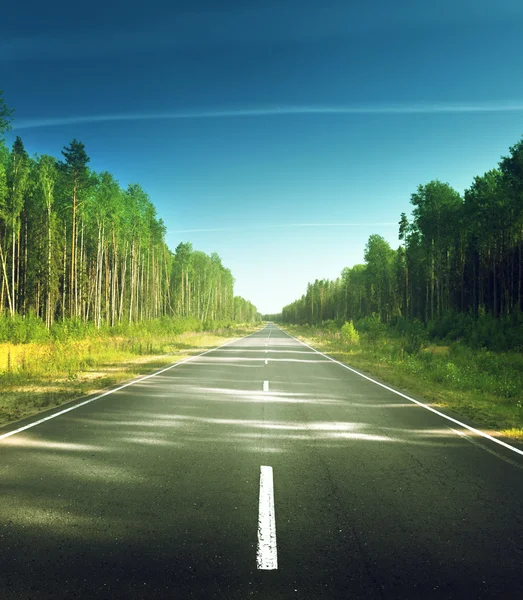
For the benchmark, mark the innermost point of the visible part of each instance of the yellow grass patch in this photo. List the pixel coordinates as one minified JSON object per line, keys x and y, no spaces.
{"x":37,"y":376}
{"x":514,"y":433}
{"x":437,"y":349}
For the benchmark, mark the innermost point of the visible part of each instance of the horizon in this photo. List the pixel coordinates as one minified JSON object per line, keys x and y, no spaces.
{"x":281,"y":144}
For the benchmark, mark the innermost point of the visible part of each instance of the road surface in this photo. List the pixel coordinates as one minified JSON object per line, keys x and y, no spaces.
{"x":258,"y":470}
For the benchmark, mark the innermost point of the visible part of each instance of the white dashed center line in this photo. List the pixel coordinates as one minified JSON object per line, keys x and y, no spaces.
{"x":265,"y":386}
{"x":267,"y":553}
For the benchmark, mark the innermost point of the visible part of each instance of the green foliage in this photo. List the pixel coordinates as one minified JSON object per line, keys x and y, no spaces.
{"x":459,"y":270}
{"x":381,"y":292}
{"x":484,"y":331}
{"x":75,"y":163}
{"x":26,"y":329}
{"x":412,"y":335}
{"x":480,"y":383}
{"x":245,"y":311}
{"x":75,"y":248}
{"x":3,"y":190}
{"x":372,"y":328}
{"x":19,"y":330}
{"x":72,"y":329}
{"x":6,"y":115}
{"x":349,"y":335}
{"x":331,"y":325}
{"x":40,"y":375}
{"x":451,"y":326}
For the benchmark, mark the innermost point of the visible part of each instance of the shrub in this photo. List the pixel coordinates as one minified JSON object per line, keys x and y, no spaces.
{"x":331,"y":326}
{"x":349,"y":335}
{"x":22,"y":329}
{"x":451,"y":326}
{"x":372,"y":327}
{"x":413,"y":335}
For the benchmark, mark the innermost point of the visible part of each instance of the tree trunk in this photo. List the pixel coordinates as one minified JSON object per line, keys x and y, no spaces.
{"x":48,"y":317}
{"x":6,"y":278}
{"x":73,"y":257}
{"x":13,"y":268}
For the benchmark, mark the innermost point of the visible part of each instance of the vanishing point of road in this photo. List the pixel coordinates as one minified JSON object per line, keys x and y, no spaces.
{"x":261,"y":469}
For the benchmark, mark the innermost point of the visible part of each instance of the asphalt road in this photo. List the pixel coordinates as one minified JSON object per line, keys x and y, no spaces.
{"x":153,"y":491}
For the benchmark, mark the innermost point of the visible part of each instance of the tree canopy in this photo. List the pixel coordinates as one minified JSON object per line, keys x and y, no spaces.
{"x":74,"y":244}
{"x":458,"y":254}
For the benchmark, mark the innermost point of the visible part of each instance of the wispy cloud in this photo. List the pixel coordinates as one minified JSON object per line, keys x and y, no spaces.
{"x":172,"y":28}
{"x":282,"y":226}
{"x":403,"y":109}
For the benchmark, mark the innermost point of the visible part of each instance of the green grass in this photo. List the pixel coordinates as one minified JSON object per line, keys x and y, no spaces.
{"x":483,"y":385}
{"x":40,"y":375}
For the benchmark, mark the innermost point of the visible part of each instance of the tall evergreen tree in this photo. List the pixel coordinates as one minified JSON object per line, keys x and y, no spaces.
{"x":17,"y":188}
{"x":75,"y":171}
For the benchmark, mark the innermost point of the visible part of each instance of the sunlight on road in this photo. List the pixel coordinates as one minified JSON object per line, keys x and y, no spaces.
{"x":26,"y":441}
{"x":229,"y":359}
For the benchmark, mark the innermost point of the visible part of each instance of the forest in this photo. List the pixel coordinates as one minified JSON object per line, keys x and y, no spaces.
{"x":75,"y":246}
{"x":460,"y":263}
{"x":441,"y":315}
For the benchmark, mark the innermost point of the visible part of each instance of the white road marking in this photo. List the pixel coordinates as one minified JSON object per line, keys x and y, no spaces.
{"x":267,"y":553}
{"x":496,"y":454}
{"x":266,"y":351}
{"x":265,"y":386}
{"x":66,"y":410}
{"x":266,"y":362}
{"x":437,"y":412}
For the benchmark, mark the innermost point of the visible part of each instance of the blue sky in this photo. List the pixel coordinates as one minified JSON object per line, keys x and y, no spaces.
{"x":278,"y":134}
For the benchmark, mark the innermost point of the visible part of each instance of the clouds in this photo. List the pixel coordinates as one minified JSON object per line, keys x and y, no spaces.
{"x":398,"y":109}
{"x":284,"y":226}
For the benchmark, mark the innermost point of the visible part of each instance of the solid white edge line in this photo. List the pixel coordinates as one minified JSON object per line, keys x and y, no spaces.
{"x":437,"y":412}
{"x":267,"y":553}
{"x":129,"y":383}
{"x":467,"y":437}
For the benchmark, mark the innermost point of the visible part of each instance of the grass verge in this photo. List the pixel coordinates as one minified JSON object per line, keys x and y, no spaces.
{"x":485,"y":386}
{"x":38,"y":376}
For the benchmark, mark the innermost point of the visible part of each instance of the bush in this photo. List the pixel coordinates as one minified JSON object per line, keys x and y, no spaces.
{"x":484,"y":331}
{"x":372,"y":327}
{"x":412,"y":335}
{"x":349,"y":335}
{"x":331,"y":326}
{"x":451,"y":326}
{"x":21,"y":330}
{"x":72,"y":329}
{"x":31,"y":328}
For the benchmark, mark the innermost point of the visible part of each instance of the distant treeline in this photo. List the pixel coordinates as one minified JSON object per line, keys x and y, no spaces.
{"x":75,"y":245}
{"x":460,"y":255}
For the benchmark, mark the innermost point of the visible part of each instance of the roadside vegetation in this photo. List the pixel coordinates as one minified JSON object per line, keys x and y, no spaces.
{"x":76,"y":359}
{"x":77,"y":247}
{"x":441,"y":315}
{"x":90,"y":293}
{"x":478,"y":382}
